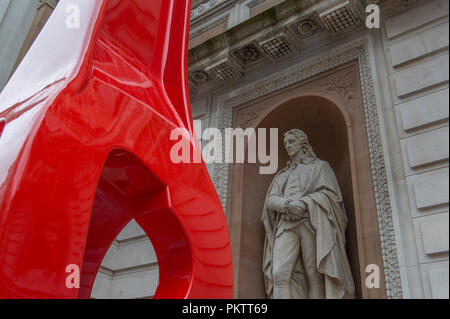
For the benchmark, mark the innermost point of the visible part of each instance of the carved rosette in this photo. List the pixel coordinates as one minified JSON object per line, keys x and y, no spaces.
{"x":248,"y":54}
{"x":199,"y":77}
{"x":343,"y":85}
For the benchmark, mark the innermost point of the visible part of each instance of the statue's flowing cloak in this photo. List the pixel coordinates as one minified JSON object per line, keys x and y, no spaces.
{"x":327,"y":215}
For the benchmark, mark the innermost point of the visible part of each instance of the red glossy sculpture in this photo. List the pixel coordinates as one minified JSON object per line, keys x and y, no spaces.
{"x":85,"y":127}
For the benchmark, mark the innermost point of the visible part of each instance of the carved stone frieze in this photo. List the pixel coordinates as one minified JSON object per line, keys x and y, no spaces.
{"x":408,"y":2}
{"x":377,"y":2}
{"x":341,"y":84}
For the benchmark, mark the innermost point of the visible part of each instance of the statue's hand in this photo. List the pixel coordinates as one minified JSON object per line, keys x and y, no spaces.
{"x":296,"y":210}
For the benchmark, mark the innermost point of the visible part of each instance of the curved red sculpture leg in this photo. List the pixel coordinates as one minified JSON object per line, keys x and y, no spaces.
{"x":85,"y":147}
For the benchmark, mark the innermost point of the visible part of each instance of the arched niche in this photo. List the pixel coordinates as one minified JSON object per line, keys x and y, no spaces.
{"x":337,"y":136}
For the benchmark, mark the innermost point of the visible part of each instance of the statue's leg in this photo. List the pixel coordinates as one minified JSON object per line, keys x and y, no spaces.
{"x":315,"y":279}
{"x":286,"y":252}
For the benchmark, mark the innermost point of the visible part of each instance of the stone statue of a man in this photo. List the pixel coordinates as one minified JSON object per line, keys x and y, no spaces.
{"x":305,"y":222}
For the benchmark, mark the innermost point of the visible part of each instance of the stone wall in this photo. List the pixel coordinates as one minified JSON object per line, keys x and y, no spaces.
{"x":129,"y":269}
{"x":410,"y":58}
{"x":413,"y":81}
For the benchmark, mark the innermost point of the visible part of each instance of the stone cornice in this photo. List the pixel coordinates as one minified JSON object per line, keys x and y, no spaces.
{"x":292,"y":26}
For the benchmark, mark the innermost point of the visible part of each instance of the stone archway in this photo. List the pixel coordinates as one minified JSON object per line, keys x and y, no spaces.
{"x":337,"y":132}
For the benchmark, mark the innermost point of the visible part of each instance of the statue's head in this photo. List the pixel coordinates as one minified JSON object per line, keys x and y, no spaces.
{"x":297,"y":145}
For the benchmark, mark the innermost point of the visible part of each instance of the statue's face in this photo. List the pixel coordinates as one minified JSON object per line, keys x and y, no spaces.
{"x":293,"y":145}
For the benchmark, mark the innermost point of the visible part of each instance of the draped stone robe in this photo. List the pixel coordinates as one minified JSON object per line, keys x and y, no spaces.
{"x":314,"y":183}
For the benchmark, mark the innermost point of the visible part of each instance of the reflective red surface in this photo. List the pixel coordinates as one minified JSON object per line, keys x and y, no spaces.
{"x":86,"y":148}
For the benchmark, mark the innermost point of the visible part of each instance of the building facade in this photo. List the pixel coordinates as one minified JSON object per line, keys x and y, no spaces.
{"x":373,"y":101}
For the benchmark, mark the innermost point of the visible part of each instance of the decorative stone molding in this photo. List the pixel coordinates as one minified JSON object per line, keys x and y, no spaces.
{"x":238,"y":14}
{"x":248,"y":54}
{"x":224,"y":71}
{"x":307,"y":27}
{"x":377,"y":2}
{"x":342,"y":18}
{"x":277,"y":47}
{"x":199,"y":77}
{"x":261,"y":38}
{"x":3,"y":8}
{"x":357,"y":51}
{"x":247,"y":44}
{"x":407,"y":3}
{"x":343,"y":85}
